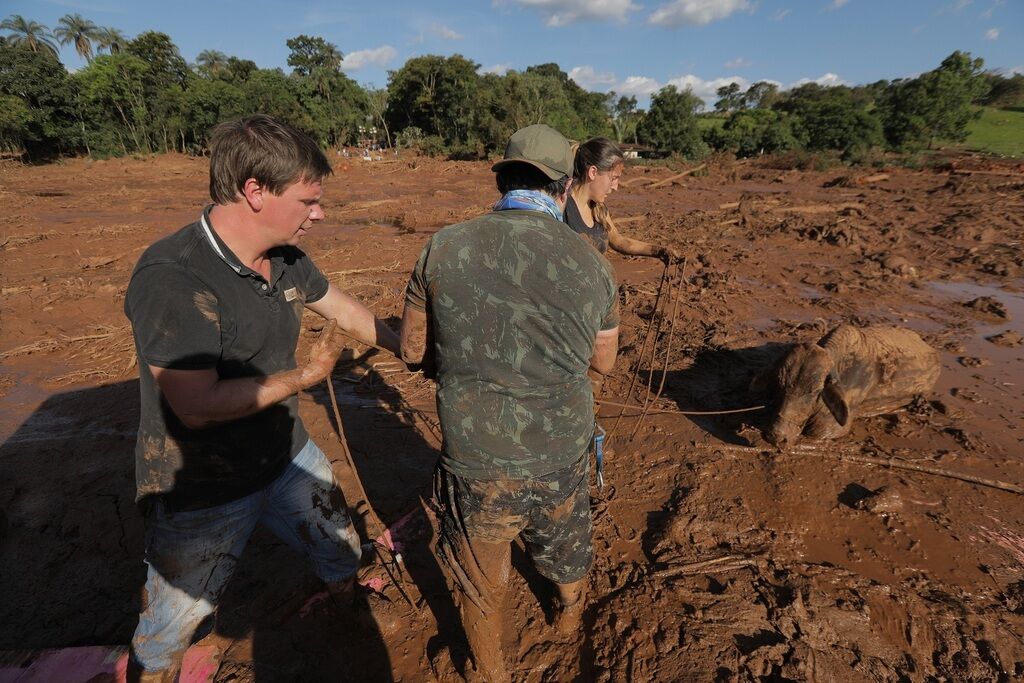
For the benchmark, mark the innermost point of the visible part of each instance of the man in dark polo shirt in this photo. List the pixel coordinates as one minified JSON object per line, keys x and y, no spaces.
{"x":517,"y":308}
{"x":215,"y":310}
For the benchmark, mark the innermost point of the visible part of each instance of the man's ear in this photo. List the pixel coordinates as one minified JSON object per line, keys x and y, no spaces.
{"x":254,"y":194}
{"x":835,"y":400}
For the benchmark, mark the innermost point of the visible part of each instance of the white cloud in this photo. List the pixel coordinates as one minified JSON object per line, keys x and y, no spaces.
{"x":565,"y":12}
{"x":446,"y":33}
{"x":638,"y":86}
{"x":378,"y":56}
{"x":738,"y":63}
{"x":960,"y":4}
{"x":987,"y":14}
{"x":695,"y":12}
{"x":587,"y":78}
{"x":497,"y":69}
{"x":707,"y":90}
{"x":992,"y":34}
{"x":781,"y":14}
{"x":836,"y":4}
{"x":1019,"y":69}
{"x":827,"y":80}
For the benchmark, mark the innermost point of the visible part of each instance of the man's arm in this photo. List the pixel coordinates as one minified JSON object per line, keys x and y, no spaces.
{"x":414,"y":335}
{"x":606,"y":348}
{"x":355,"y":319}
{"x":200,"y":398}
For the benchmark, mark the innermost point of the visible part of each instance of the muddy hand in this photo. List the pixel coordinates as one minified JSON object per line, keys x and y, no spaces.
{"x":324,"y":354}
{"x":668,"y":254}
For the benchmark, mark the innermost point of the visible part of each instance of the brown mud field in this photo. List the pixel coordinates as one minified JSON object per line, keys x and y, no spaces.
{"x":718,"y":558}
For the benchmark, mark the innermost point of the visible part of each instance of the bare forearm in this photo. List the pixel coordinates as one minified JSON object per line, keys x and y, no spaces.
{"x":414,"y":335}
{"x":356,"y":320}
{"x":633,"y":247}
{"x":232,"y":399}
{"x":606,"y":348}
{"x":224,"y":400}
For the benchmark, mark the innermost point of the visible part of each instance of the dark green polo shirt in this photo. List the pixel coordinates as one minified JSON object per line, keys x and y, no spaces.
{"x":194,"y":306}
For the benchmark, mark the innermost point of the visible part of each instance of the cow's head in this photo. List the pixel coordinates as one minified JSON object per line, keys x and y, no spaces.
{"x":805,"y":378}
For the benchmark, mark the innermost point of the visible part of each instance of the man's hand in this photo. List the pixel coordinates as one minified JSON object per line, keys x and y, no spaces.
{"x":324,"y":354}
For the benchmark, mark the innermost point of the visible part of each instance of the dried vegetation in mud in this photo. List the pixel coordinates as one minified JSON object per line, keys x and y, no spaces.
{"x":718,"y":558}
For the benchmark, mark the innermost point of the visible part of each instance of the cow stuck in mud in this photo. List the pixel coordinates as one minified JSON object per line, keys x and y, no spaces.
{"x":849,"y":373}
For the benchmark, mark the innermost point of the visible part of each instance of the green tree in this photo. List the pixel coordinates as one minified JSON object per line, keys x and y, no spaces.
{"x":1004,"y":91}
{"x":165,"y":64}
{"x":751,"y":132}
{"x":624,"y":116}
{"x":936,"y":105}
{"x":439,"y":95}
{"x":111,"y":40}
{"x":15,"y":123}
{"x":309,"y":53}
{"x":211,"y":63}
{"x":588,"y":117}
{"x":377,"y":102}
{"x":41,"y":83}
{"x":30,"y":34}
{"x":209,"y":101}
{"x":75,"y":29}
{"x":761,"y":95}
{"x":730,"y":98}
{"x":164,"y":79}
{"x":671,"y":122}
{"x":831,"y":118}
{"x":114,"y":99}
{"x":335,"y":104}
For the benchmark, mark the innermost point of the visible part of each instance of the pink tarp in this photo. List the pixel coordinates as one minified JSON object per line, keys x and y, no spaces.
{"x":103,"y":665}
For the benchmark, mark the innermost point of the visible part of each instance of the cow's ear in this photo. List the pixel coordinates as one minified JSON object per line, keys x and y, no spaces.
{"x":835,"y":400}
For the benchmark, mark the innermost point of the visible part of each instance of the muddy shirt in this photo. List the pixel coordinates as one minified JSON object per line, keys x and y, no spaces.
{"x":515,"y":300}
{"x":193,"y":306}
{"x":598,"y":235}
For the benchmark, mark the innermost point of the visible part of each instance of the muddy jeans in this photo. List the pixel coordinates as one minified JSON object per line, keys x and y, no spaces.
{"x":192,"y":554}
{"x":480,"y":519}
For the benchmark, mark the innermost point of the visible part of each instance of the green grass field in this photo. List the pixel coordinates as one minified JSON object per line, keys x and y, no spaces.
{"x":998,"y":131}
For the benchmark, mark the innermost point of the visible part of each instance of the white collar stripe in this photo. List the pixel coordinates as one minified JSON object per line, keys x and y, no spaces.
{"x":213,"y":243}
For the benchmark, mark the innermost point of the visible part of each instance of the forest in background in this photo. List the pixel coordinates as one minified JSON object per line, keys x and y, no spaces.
{"x":139,"y":95}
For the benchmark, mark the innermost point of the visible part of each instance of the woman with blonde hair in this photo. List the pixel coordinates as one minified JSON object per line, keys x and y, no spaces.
{"x":598,"y":166}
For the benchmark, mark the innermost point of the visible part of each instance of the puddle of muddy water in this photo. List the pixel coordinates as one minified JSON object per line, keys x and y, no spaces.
{"x":966,"y":291}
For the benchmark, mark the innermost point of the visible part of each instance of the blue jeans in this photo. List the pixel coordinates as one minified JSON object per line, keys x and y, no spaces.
{"x":192,"y":554}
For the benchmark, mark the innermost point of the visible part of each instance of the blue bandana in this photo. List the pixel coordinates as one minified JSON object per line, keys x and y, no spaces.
{"x":529,"y":200}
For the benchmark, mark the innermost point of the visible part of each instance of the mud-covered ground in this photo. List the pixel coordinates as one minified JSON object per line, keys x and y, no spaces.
{"x":718,"y":558}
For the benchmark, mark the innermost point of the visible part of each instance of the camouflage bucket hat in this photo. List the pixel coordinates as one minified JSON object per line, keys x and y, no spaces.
{"x":542,"y":147}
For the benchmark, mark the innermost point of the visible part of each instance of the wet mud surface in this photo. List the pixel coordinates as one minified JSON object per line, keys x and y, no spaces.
{"x":719,"y":558}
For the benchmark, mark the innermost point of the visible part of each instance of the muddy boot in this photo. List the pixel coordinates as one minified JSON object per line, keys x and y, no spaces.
{"x":569,"y":606}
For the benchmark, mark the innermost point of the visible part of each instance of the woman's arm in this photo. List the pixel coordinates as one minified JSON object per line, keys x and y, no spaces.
{"x":628,"y":245}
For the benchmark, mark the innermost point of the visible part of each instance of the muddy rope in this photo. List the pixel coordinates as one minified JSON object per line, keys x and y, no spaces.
{"x":674,"y":411}
{"x":914,"y":467}
{"x":680,"y":273}
{"x":643,"y":346}
{"x":370,"y":513}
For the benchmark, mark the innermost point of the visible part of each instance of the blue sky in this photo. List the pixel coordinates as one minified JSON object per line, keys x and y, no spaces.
{"x":630,"y":46}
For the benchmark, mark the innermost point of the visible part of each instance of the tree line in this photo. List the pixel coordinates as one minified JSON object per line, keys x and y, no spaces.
{"x":139,"y":95}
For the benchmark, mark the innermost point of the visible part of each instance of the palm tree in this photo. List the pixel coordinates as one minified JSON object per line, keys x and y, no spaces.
{"x":73,"y":28}
{"x":30,"y":34}
{"x":110,"y":39}
{"x":212,"y":61}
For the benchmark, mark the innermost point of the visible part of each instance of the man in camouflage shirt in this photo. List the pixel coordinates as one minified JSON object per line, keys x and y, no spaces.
{"x":513,"y":308}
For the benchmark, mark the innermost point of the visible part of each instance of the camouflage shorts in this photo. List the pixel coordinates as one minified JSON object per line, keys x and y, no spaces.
{"x":550,"y":513}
